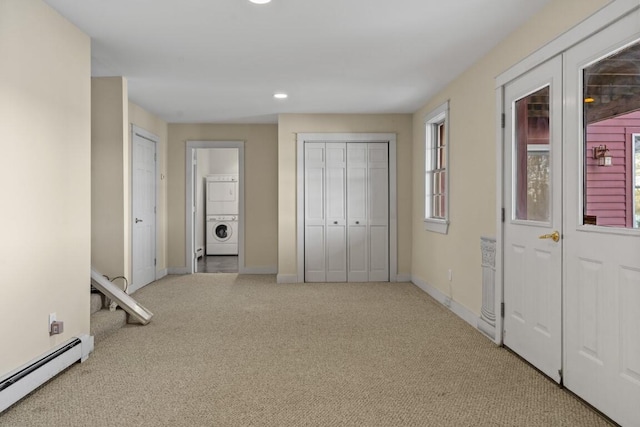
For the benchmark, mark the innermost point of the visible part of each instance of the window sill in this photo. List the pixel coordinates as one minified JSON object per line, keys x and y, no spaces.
{"x":436,"y":225}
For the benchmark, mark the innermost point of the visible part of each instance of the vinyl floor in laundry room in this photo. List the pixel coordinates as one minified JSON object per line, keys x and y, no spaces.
{"x":218,"y":264}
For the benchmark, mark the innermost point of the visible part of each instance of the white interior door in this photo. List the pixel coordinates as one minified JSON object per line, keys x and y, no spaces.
{"x":144,"y":210}
{"x":602,"y":247}
{"x":533,"y":216}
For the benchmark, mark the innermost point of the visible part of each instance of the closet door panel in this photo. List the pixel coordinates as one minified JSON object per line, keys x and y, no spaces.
{"x":315,"y":269}
{"x":378,"y":210}
{"x":314,"y":205}
{"x":336,"y":234}
{"x":379,"y":258}
{"x":357,"y":250}
{"x":357,"y":194}
{"x":336,"y":254}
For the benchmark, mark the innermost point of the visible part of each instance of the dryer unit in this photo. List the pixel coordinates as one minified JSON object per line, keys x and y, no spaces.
{"x":222,"y":235}
{"x":222,"y":195}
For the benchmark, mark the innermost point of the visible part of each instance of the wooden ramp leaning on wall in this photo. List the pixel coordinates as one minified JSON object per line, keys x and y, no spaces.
{"x":125,"y":301}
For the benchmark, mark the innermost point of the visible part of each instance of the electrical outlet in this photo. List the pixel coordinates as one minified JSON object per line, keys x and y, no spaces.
{"x":57,"y":327}
{"x":52,"y":318}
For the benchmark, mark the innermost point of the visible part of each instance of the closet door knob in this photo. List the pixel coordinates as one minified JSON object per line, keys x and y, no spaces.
{"x":335,"y":222}
{"x":357,"y":222}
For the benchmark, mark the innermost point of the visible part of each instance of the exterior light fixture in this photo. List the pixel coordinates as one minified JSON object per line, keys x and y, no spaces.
{"x":601,"y":154}
{"x":588,"y":100}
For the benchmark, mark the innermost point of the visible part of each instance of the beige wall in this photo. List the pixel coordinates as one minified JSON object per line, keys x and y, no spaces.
{"x":45,"y":228}
{"x":473,"y":157}
{"x":153,"y":124}
{"x":111,"y":118}
{"x":110,"y":177}
{"x":261,"y":163}
{"x":289,"y":125}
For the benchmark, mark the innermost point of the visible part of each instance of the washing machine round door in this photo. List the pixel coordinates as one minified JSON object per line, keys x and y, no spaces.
{"x":222,"y":232}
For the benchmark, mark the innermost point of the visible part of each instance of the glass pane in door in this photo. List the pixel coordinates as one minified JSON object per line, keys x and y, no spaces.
{"x":531,"y":166}
{"x":611,"y":112}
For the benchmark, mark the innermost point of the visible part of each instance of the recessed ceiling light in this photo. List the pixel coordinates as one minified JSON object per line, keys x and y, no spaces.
{"x":260,"y":1}
{"x":280,"y":95}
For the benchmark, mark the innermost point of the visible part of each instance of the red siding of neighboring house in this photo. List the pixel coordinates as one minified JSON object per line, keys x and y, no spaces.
{"x":609,"y":192}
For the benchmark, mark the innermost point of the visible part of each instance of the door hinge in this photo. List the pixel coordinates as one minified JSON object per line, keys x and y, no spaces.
{"x":502,"y":214}
{"x":154,"y":210}
{"x":503,"y":119}
{"x":502,"y":309}
{"x":154,"y":261}
{"x":155,"y":157}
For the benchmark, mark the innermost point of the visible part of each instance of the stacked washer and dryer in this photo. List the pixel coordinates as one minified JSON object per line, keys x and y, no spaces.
{"x":222,"y":214}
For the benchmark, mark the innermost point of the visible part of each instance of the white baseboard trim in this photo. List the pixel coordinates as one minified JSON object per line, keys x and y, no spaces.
{"x":161,"y":273}
{"x":178,"y":270}
{"x":486,"y":328}
{"x":403,"y":278}
{"x":458,"y":309}
{"x":287,"y":278}
{"x":259,"y":270}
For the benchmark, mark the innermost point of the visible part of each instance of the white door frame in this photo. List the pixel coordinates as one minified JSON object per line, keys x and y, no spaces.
{"x":155,"y":139}
{"x":389,"y":138}
{"x":189,"y":225}
{"x":601,"y":19}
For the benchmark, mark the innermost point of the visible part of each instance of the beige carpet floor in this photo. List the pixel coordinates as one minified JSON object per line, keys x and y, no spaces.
{"x":229,"y":350}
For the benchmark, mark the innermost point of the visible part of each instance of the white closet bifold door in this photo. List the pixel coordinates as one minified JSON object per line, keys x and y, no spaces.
{"x":314,"y":212}
{"x":357,"y":193}
{"x":378,"y":211}
{"x":346,"y":212}
{"x":336,"y":215}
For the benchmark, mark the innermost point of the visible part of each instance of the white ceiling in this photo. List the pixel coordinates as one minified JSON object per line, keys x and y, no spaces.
{"x":220,"y":61}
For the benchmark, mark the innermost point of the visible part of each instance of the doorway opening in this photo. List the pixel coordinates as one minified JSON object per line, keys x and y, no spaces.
{"x":215,"y":206}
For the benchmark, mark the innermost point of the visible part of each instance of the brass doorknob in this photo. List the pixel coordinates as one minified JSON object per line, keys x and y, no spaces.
{"x":555,"y":236}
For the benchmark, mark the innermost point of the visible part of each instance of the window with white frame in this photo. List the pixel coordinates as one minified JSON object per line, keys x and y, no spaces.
{"x":436,"y":175}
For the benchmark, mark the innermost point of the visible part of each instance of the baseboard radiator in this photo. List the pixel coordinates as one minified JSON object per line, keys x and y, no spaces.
{"x":22,"y":381}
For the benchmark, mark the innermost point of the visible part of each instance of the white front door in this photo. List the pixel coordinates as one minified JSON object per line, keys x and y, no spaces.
{"x":143,"y":209}
{"x":602,"y":238}
{"x":533,"y":217}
